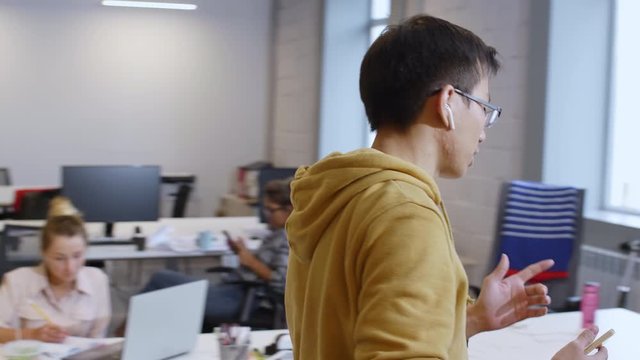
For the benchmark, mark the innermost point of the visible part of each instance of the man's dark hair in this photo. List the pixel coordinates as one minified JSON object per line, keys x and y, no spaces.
{"x":412,"y":60}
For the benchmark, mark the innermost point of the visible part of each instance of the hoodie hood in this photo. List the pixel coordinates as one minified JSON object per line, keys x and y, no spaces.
{"x":320,"y":192}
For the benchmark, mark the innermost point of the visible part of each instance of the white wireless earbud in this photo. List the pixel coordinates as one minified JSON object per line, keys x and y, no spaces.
{"x":448,"y":108}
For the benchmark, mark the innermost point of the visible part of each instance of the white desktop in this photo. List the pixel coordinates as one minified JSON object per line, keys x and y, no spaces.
{"x":537,"y":338}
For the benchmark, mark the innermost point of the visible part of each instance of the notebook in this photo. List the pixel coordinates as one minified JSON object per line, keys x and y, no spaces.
{"x":161,"y":324}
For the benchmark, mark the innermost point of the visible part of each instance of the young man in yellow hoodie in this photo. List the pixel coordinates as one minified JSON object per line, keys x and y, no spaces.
{"x":373,"y":271}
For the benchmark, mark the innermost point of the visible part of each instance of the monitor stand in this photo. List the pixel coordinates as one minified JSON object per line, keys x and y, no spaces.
{"x":138,"y":239}
{"x":107,"y":238}
{"x":108,"y":229}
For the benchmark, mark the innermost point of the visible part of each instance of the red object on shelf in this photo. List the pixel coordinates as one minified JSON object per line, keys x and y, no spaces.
{"x":20,"y":193}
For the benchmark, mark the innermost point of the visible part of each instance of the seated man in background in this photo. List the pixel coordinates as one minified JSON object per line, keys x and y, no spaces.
{"x":61,"y":296}
{"x":268,"y":263}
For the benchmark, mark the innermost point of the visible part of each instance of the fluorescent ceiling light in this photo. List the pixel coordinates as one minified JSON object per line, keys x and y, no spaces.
{"x":148,"y":4}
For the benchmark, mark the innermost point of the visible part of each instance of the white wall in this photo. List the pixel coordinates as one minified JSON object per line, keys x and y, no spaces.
{"x":81,"y":83}
{"x":296,"y":83}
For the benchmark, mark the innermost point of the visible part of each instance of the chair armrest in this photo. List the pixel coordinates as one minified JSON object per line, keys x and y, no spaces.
{"x":221,"y":269}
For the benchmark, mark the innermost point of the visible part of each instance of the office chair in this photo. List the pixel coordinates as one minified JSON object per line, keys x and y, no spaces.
{"x":5,"y":180}
{"x":33,"y":204}
{"x":14,"y":238}
{"x":185,"y":187}
{"x":5,"y":177}
{"x":253,"y":313}
{"x":182,"y":197}
{"x":539,"y":221}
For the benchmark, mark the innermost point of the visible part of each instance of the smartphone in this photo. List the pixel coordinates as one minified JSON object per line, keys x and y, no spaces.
{"x":597,"y":342}
{"x":230,"y":242}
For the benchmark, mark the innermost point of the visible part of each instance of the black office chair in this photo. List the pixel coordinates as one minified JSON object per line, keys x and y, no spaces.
{"x":254,"y":313}
{"x":182,"y":197}
{"x":537,"y":221}
{"x":5,"y":177}
{"x":11,"y":240}
{"x":185,"y":187}
{"x":5,"y":180}
{"x":35,"y":204}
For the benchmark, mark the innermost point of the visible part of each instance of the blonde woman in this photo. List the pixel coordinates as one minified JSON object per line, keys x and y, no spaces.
{"x":60,"y":297}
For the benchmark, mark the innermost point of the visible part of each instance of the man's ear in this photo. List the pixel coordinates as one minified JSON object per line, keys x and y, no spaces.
{"x":452,"y":124}
{"x":443,"y":109}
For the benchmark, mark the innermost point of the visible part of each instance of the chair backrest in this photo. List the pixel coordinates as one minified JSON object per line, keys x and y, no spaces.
{"x":182,"y":197}
{"x":538,"y":221}
{"x":18,"y":239}
{"x":256,"y":315}
{"x":33,"y":204}
{"x":5,"y":177}
{"x":185,"y":185}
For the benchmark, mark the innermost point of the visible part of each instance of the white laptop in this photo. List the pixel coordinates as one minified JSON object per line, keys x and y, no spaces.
{"x":161,"y":324}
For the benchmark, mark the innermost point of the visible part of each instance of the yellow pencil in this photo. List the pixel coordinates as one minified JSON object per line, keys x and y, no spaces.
{"x":40,"y":312}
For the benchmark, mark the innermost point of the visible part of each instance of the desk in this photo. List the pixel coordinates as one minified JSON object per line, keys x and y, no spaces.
{"x":532,"y":339}
{"x":207,"y":345}
{"x":540,"y":338}
{"x":182,"y":226}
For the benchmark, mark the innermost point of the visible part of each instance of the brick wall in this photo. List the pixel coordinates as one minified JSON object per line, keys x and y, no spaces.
{"x":472,"y":200}
{"x":296,"y":81}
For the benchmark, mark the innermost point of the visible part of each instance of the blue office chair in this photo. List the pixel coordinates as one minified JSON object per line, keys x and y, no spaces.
{"x":538,"y":221}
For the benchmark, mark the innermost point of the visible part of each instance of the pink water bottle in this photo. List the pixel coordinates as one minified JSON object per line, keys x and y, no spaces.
{"x":589,"y":304}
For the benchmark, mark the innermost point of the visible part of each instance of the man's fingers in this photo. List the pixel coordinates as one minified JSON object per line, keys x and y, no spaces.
{"x":535,"y":289}
{"x":539,"y":300}
{"x":587,"y":336}
{"x":501,"y":269}
{"x":536,"y":312}
{"x":602,"y":354}
{"x":534,"y":269}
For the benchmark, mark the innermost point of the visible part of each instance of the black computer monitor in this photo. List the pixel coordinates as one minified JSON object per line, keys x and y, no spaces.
{"x":113,"y":193}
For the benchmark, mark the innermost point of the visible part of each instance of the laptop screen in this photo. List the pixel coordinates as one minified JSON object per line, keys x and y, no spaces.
{"x":166,"y":322}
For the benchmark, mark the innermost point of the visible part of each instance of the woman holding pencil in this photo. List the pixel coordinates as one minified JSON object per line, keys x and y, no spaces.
{"x":60,"y":297}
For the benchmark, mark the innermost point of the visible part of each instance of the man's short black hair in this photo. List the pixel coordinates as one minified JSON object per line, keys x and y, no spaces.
{"x":412,"y":60}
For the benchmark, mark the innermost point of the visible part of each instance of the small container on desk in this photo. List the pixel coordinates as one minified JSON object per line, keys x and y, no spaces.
{"x":590,"y":303}
{"x":234,"y":342}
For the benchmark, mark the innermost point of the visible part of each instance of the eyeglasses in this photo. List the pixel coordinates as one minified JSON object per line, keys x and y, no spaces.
{"x":491,"y":112}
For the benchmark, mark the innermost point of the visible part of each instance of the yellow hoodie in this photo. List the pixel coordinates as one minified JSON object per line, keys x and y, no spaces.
{"x":373,"y":273}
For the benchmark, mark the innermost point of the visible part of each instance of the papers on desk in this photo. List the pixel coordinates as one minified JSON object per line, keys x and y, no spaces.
{"x":70,"y":346}
{"x":167,"y":239}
